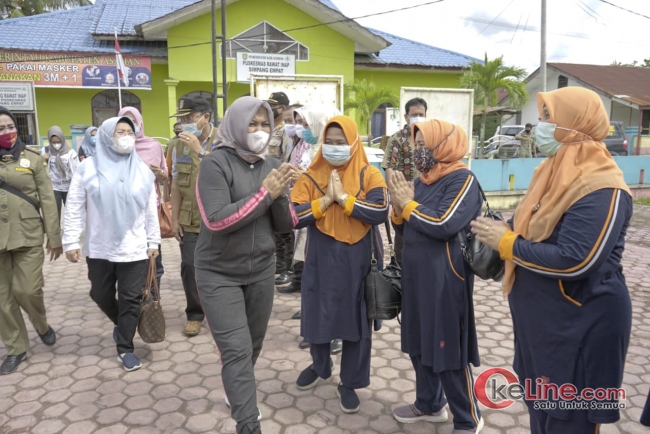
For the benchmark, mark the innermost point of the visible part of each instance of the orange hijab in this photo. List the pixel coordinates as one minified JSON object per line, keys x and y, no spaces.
{"x":581,"y":166}
{"x":449,"y":143}
{"x":335,"y":223}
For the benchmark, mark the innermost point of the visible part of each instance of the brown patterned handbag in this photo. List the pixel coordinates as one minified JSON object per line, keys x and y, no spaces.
{"x":151,"y":326}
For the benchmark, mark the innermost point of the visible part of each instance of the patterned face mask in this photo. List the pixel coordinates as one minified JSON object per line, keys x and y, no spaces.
{"x":423,"y":156}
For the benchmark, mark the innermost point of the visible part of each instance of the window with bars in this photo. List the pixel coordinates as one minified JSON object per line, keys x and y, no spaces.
{"x":105,"y":105}
{"x":562,"y":81}
{"x":265,"y":38}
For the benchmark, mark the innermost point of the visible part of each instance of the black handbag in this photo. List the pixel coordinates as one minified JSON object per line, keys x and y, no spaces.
{"x":383,"y":290}
{"x":484,"y":261}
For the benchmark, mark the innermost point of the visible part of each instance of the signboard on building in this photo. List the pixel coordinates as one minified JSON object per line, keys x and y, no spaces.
{"x":264,"y":64}
{"x":87,"y":70}
{"x":17,"y":97}
{"x":316,"y":90}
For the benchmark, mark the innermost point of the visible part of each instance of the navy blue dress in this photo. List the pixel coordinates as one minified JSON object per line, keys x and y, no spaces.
{"x":333,"y":304}
{"x":571,"y":309}
{"x":437,"y":303}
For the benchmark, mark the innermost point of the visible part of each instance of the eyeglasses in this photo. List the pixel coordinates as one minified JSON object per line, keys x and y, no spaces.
{"x":190,"y":119}
{"x":122,"y":133}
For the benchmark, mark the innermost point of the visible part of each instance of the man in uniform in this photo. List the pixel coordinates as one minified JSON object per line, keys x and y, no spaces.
{"x":25,"y":193}
{"x":526,"y":139}
{"x":398,"y":155}
{"x":279,"y":147}
{"x":186,"y":152}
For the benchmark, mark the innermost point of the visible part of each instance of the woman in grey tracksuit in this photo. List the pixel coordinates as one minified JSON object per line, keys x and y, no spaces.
{"x":243,"y":201}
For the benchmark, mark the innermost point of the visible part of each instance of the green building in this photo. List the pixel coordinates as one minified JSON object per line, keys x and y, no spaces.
{"x":70,"y":56}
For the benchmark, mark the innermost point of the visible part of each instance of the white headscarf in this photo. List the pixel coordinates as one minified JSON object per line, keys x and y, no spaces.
{"x":316,"y":118}
{"x":121,"y":185}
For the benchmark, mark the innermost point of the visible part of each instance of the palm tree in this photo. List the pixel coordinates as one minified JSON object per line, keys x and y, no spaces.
{"x":486,"y":80}
{"x":367,"y":98}
{"x":23,"y":8}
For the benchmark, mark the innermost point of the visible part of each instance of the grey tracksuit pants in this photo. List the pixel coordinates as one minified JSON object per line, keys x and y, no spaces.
{"x":238,"y":317}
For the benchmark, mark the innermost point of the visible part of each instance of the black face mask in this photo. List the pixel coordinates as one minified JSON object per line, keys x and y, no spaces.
{"x":276,"y":113}
{"x":177,"y":133}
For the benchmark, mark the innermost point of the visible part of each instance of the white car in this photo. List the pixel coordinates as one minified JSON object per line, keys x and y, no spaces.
{"x":375,"y":157}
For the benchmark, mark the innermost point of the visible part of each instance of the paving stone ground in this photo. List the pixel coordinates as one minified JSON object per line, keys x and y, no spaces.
{"x":78,"y":387}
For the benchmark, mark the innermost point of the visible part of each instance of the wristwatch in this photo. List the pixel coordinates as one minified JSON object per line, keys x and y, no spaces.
{"x":343,"y":198}
{"x":202,"y":153}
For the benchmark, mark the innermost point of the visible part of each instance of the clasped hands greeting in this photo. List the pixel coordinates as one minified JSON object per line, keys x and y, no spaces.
{"x":401,"y":192}
{"x":335,"y":192}
{"x":278,"y":180}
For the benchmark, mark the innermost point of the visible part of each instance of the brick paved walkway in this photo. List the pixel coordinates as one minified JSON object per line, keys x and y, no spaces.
{"x":78,"y":386}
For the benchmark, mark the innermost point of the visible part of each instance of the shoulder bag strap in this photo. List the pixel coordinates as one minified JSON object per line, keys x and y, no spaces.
{"x":315,"y":183}
{"x":13,"y":190}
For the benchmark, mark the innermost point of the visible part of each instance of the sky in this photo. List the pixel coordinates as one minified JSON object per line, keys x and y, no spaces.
{"x":578,"y":31}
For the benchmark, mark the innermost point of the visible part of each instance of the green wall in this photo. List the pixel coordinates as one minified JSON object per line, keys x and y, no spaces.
{"x":330,"y":53}
{"x":64,"y":107}
{"x":397,"y":80}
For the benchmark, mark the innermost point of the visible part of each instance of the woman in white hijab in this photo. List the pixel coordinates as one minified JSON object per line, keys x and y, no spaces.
{"x":115,"y":191}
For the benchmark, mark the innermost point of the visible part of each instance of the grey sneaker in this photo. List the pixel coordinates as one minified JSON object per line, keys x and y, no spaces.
{"x":259,"y":412}
{"x":410,"y":414}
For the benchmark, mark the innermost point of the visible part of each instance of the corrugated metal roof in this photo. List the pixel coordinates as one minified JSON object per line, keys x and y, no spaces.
{"x":630,"y":81}
{"x":406,"y":52}
{"x":67,"y":31}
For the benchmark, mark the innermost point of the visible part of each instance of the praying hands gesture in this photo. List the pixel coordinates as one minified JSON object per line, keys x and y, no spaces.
{"x":401,"y":192}
{"x":278,"y":180}
{"x":334,"y":193}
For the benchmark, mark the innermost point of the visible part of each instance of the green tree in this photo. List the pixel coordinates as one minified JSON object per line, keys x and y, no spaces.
{"x":645,"y":64}
{"x":486,"y":80}
{"x":365,"y":97}
{"x":23,"y":8}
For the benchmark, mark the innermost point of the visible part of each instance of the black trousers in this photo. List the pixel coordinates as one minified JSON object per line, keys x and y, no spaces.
{"x":60,"y":197}
{"x":399,"y":248}
{"x":284,"y":249}
{"x":193,"y":311}
{"x":126,"y":279}
{"x":355,"y":362}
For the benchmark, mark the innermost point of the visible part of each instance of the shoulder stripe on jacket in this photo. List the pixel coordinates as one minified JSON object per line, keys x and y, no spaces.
{"x":375,"y":206}
{"x":593,"y":255}
{"x":452,"y":208}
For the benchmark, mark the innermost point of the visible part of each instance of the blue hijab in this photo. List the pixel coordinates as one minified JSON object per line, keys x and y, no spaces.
{"x":88,"y":148}
{"x":120,"y":185}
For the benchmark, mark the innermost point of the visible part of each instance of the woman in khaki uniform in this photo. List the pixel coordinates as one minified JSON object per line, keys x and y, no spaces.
{"x":25,"y":194}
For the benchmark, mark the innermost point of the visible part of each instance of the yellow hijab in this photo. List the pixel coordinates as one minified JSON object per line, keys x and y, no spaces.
{"x":581,"y":166}
{"x":335,"y":223}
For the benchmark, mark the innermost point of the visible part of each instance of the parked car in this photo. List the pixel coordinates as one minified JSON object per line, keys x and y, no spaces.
{"x":616,"y":141}
{"x":375,"y":157}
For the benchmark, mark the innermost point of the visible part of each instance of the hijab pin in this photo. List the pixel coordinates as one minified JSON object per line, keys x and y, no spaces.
{"x":536,"y":208}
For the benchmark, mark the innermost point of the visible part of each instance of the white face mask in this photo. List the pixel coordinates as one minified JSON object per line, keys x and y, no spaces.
{"x":257,"y":141}
{"x":123,"y":145}
{"x":299,"y":130}
{"x":416,"y":120}
{"x":290,"y":129}
{"x":57,"y":146}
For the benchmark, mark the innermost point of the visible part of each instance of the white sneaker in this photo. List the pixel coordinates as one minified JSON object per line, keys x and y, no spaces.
{"x":228,"y":405}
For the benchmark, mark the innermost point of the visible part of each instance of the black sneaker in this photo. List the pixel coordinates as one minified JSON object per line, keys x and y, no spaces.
{"x":296,"y":315}
{"x":49,"y":338}
{"x":303,"y":344}
{"x":307,"y":379}
{"x":289,"y":288}
{"x":284,"y":278}
{"x":349,"y":399}
{"x":11,"y":363}
{"x":336,"y":346}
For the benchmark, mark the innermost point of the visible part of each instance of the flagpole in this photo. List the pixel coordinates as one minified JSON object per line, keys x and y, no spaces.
{"x":117,"y":70}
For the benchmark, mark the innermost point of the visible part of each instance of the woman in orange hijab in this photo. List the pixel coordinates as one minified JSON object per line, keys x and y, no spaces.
{"x":438,"y":329}
{"x":339,"y":200}
{"x":570,"y":306}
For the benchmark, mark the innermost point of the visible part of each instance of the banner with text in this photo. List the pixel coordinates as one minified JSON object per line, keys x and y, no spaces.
{"x":72,"y":69}
{"x":17,"y":96}
{"x":264,"y":63}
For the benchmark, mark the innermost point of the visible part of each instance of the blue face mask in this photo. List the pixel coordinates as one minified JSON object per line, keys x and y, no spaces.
{"x":93,"y":140}
{"x":137,"y":129}
{"x":308,"y":137}
{"x":337,"y":155}
{"x":545,"y":139}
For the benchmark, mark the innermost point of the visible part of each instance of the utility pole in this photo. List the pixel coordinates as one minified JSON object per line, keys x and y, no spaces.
{"x":215,"y":104}
{"x":542,"y":63}
{"x":224,"y":61}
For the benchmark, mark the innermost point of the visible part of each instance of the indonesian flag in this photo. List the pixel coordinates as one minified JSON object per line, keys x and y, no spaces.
{"x":121,"y":68}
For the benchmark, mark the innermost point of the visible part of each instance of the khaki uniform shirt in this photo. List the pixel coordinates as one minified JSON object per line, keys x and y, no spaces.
{"x":21,"y":224}
{"x":279,"y":143}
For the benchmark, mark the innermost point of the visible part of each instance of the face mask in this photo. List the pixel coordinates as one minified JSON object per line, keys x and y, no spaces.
{"x":309,"y":137}
{"x":137,"y":129}
{"x":257,"y":141}
{"x":416,"y":120}
{"x":299,"y":130}
{"x":8,"y":140}
{"x":276,"y":113}
{"x":290,"y":129}
{"x":545,"y":139}
{"x":424,"y":160}
{"x":56,"y":146}
{"x":93,"y":140}
{"x":123,"y":145}
{"x":336,"y":155}
{"x":192,"y":128}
